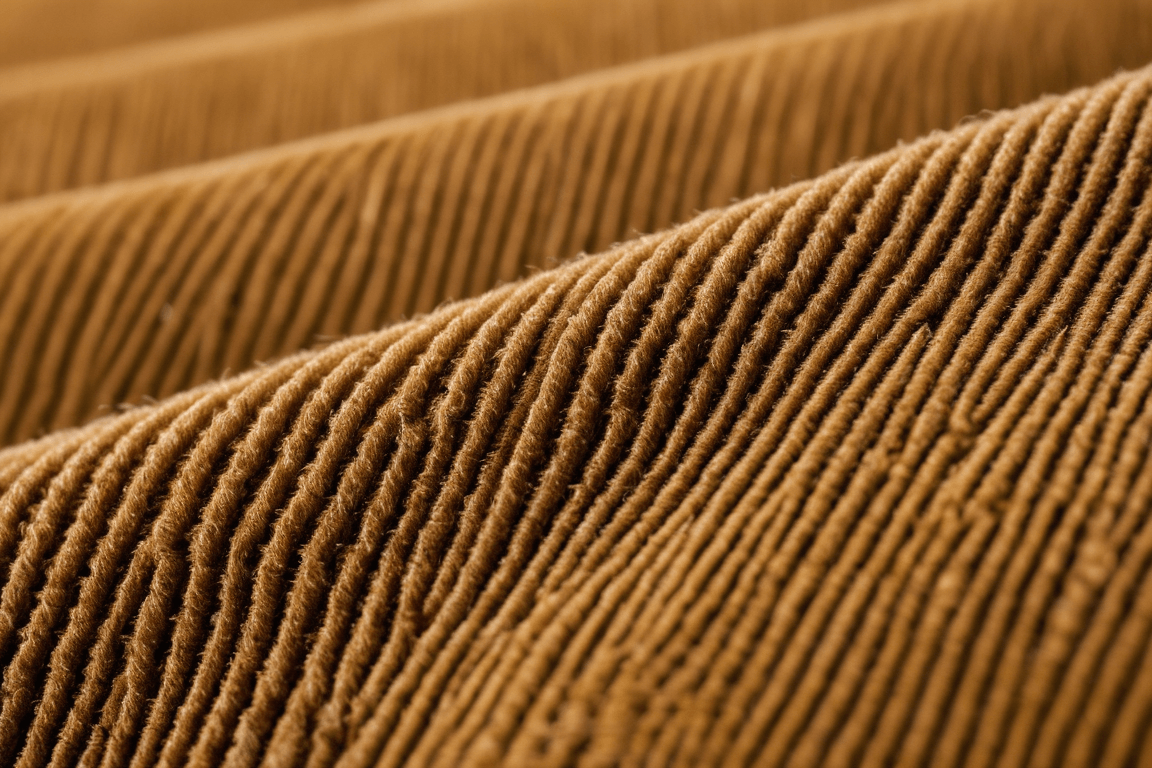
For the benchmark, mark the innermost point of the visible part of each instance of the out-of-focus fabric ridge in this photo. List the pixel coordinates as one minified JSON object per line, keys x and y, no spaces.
{"x":169,"y":103}
{"x":36,"y":31}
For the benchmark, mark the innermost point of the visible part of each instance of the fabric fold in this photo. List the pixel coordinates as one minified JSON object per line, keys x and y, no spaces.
{"x":154,"y":285}
{"x":854,"y":472}
{"x":580,"y":383}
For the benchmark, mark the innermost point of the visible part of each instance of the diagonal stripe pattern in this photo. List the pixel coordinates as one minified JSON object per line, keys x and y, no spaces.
{"x":152,"y":286}
{"x":855,"y":472}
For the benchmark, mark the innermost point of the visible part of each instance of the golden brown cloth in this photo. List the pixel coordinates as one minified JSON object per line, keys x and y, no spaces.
{"x":377,"y":394}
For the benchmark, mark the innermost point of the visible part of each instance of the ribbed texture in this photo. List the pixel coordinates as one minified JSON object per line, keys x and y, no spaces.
{"x":157,"y":285}
{"x":170,"y":103}
{"x":39,"y":30}
{"x":852,"y":473}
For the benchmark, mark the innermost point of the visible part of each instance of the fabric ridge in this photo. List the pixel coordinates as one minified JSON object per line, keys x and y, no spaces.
{"x":744,"y":384}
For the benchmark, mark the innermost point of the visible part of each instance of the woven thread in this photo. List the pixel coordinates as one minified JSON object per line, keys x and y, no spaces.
{"x":855,"y":472}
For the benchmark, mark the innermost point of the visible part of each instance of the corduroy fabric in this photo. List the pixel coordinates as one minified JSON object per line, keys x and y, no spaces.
{"x":151,"y":107}
{"x":853,"y":471}
{"x":212,"y":268}
{"x":43,"y":30}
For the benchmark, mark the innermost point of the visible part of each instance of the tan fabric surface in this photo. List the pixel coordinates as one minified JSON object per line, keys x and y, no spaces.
{"x":852,"y":468}
{"x":211,"y":268}
{"x":175,"y":102}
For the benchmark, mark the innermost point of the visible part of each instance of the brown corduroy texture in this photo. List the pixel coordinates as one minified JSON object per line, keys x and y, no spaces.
{"x":852,"y":471}
{"x":158,"y":106}
{"x":146,"y":288}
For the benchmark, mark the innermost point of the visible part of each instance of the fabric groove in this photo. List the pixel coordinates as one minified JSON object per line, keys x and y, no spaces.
{"x":677,"y":398}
